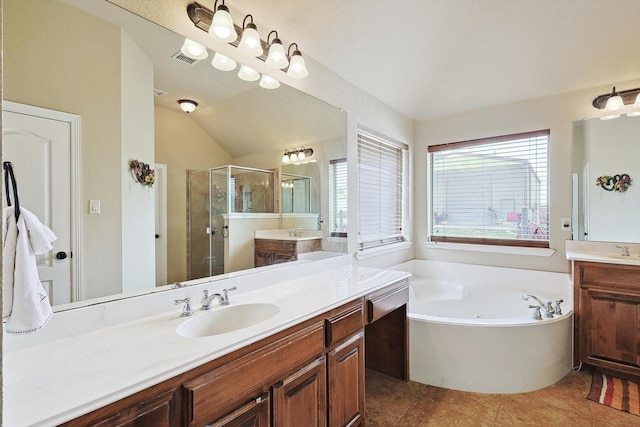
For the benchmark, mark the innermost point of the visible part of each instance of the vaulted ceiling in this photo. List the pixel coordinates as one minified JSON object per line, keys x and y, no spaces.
{"x":432,"y":58}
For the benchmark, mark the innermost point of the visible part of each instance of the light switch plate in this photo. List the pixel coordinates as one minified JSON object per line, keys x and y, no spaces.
{"x":94,"y":207}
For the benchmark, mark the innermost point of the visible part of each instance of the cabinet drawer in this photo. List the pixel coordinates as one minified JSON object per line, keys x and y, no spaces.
{"x":343,"y":324}
{"x":211,"y":395}
{"x":384,"y":301}
{"x":608,"y":276}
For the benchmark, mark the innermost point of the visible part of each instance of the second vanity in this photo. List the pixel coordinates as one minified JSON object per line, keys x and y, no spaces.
{"x":606,"y":280}
{"x":304,"y":364}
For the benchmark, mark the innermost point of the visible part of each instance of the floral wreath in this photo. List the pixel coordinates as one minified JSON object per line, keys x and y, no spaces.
{"x":619,"y":183}
{"x":142,"y":172}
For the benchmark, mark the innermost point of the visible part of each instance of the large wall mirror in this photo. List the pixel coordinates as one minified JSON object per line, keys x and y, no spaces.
{"x":118,"y":78}
{"x":606,"y":148}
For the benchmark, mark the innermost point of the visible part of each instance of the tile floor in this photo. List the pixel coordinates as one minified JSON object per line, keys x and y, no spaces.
{"x":390,"y":402}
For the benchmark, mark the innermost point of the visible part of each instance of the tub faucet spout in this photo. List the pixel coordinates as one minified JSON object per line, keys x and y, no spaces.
{"x":547,"y":307}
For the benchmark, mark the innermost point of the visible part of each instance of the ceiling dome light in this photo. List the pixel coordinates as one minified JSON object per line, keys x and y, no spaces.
{"x":193,"y":50}
{"x":614,"y":102}
{"x":297,"y":67}
{"x":276,"y":57}
{"x":223,"y":63}
{"x":187,"y":105}
{"x":248,"y":74}
{"x":222,"y":27}
{"x":250,"y":43}
{"x":268,"y":82}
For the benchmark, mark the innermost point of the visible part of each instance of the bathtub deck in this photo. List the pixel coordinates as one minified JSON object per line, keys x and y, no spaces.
{"x":390,"y":402}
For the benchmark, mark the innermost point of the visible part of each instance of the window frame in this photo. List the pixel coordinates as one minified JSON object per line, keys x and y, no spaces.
{"x":530,"y":243}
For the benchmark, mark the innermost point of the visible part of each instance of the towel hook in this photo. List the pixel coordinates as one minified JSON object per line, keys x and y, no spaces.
{"x":9,"y":176}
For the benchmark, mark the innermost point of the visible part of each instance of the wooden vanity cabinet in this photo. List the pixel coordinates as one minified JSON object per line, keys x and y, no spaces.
{"x":607,"y":317}
{"x":274,"y":251}
{"x":311,"y":374}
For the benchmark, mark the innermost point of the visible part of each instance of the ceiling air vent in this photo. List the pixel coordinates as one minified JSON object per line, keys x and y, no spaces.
{"x":159,"y":92}
{"x":179,"y":56}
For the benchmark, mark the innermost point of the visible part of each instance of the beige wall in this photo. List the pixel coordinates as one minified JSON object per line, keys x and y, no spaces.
{"x":182,"y":145}
{"x":556,"y":113}
{"x":47,"y":64}
{"x":137,"y":142}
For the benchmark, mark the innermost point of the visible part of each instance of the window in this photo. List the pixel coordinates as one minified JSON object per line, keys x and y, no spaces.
{"x":381,"y":164}
{"x":338,"y":198}
{"x":491,"y":191}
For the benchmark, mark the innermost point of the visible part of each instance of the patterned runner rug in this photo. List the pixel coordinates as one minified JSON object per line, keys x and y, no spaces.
{"x":615,"y":392}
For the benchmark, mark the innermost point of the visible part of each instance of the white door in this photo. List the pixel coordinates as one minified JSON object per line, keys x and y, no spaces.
{"x":40,"y":150}
{"x":160,"y":187}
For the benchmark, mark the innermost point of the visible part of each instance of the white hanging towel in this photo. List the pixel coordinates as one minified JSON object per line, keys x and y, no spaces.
{"x":26,"y":307}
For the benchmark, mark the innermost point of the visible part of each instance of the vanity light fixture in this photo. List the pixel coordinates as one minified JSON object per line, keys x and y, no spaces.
{"x":187,"y":105}
{"x":248,"y":74}
{"x":250,"y":43}
{"x":193,"y":50}
{"x":297,"y":67}
{"x":615,"y":103}
{"x":220,"y":24}
{"x":295,"y":154}
{"x":222,"y":27}
{"x":223,"y":63}
{"x":636,"y":105}
{"x":276,"y":57}
{"x":268,"y":82}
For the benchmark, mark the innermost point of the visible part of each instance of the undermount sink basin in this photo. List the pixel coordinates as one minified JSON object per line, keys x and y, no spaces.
{"x":222,"y":320}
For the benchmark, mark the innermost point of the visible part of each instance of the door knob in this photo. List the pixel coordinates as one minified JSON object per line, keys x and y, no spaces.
{"x":61,"y":255}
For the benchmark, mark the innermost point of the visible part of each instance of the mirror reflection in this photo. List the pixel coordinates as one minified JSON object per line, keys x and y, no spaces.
{"x":119,"y":77}
{"x":601,"y":149}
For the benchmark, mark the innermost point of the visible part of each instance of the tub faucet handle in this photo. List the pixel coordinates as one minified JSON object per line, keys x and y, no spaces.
{"x":536,"y":313}
{"x":557,"y":307}
{"x":549,"y":311}
{"x":186,"y":310}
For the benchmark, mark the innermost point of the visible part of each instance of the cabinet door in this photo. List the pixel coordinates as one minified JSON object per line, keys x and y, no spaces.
{"x":301,"y":399}
{"x":346,"y":382}
{"x":613,"y":327}
{"x":157,"y":412}
{"x":253,"y":414}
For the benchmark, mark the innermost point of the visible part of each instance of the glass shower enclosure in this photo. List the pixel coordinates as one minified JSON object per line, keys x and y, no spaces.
{"x":213,"y":194}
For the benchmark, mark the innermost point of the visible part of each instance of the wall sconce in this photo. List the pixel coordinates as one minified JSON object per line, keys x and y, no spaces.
{"x":187,"y":105}
{"x":617,"y":102}
{"x":250,"y":43}
{"x":296,"y":155}
{"x":297,"y":67}
{"x":220,"y":25}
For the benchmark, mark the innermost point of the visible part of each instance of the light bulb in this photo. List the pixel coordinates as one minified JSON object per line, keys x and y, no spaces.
{"x":268,"y":82}
{"x":297,"y":67}
{"x":293,"y":157}
{"x":250,"y":43}
{"x":277,"y":58}
{"x":301,"y":154}
{"x":223,"y":63}
{"x":248,"y":74}
{"x":193,"y":50}
{"x":222,"y":27}
{"x":614,"y":102}
{"x":285,"y":158}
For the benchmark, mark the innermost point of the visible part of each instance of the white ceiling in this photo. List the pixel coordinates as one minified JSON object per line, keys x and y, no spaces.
{"x":432,"y":58}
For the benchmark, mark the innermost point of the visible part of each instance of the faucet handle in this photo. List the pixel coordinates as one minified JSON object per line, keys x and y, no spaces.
{"x":186,"y":310}
{"x":225,"y":295}
{"x":536,"y":313}
{"x":557,"y":307}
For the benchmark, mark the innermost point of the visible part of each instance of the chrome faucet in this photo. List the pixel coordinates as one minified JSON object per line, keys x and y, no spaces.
{"x":223,"y":298}
{"x":186,"y":310}
{"x":546,"y":306}
{"x":625,"y":250}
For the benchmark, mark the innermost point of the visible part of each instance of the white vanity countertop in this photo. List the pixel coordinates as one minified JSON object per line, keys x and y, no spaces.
{"x":62,"y":379}
{"x":288,"y":234}
{"x":603,"y":252}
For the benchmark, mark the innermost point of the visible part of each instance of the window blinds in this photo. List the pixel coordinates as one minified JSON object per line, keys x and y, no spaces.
{"x":492,"y":191}
{"x":338,"y":197}
{"x":380,"y":189}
